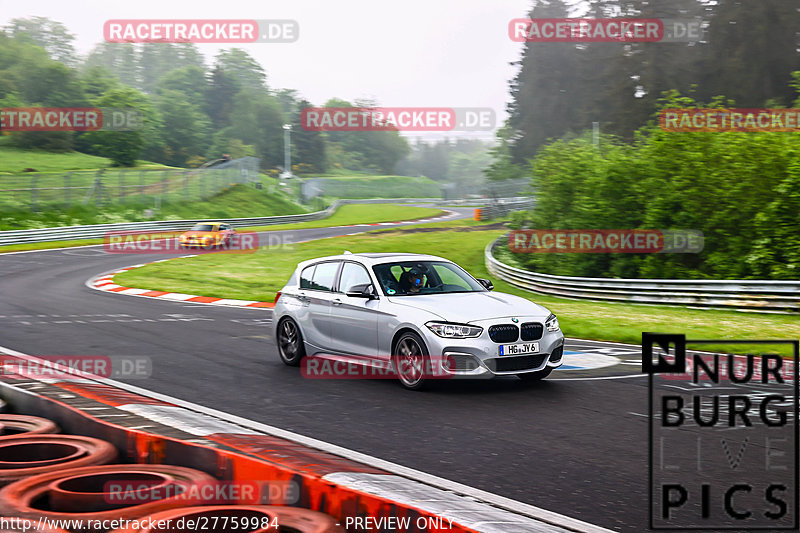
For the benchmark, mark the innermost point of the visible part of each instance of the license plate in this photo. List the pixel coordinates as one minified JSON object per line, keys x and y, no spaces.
{"x":519,"y":349}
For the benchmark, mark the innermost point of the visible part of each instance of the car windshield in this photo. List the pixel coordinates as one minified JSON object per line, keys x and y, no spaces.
{"x":409,"y":278}
{"x":203,"y":227}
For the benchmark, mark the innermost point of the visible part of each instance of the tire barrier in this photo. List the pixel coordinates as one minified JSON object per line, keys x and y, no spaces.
{"x":13,"y":524}
{"x":86,"y":493}
{"x":15,"y":425}
{"x":24,"y":455}
{"x":241,"y":518}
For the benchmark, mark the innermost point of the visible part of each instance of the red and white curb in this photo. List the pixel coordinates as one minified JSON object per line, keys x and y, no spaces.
{"x":105,"y":281}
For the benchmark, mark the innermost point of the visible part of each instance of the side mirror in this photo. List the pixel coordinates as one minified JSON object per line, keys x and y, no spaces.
{"x":488,"y":285}
{"x":361,"y":291}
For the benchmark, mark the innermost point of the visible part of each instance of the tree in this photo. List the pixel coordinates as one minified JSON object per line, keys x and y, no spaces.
{"x":121,"y":59}
{"x":49,"y":34}
{"x":753,"y":50}
{"x":219,"y":97}
{"x":502,"y":166}
{"x":243,"y":68}
{"x":189,"y":81}
{"x":372,"y":151}
{"x":225,"y":143}
{"x":308,"y":147}
{"x":257,"y":120}
{"x":122,"y":147}
{"x":156,"y":60}
{"x":185,"y":128}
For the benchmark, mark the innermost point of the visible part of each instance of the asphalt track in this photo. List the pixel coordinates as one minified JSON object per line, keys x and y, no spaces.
{"x":575,"y":444}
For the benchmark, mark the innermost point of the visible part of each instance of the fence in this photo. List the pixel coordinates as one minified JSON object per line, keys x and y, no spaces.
{"x":376,"y":187}
{"x":750,"y":295}
{"x":36,"y":191}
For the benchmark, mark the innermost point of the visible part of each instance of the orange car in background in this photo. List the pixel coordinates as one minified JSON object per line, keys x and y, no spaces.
{"x":207,"y":235}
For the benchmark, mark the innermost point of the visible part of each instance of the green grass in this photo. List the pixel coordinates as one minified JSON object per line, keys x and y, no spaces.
{"x":15,"y":160}
{"x":258,"y":276}
{"x":235,"y":201}
{"x":359,"y":214}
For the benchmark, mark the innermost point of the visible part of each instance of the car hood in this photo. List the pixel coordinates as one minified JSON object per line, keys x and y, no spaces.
{"x":472,"y":306}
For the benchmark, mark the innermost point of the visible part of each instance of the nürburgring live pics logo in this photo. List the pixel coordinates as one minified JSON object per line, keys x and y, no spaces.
{"x":723,"y":434}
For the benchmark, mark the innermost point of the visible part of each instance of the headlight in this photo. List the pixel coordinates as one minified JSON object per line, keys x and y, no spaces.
{"x":551,"y":323}
{"x":454,"y":331}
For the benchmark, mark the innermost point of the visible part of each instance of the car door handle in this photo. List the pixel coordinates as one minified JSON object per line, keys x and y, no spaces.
{"x":336,"y":301}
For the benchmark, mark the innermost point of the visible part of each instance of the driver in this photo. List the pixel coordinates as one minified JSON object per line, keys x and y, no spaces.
{"x":414,"y":281}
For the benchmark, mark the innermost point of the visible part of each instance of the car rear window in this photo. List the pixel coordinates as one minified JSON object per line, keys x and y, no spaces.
{"x":319,"y":277}
{"x":324,"y":275}
{"x":307,"y":276}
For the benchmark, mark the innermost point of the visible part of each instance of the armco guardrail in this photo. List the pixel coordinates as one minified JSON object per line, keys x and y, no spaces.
{"x":751,"y":295}
{"x":504,"y":206}
{"x":97,"y":231}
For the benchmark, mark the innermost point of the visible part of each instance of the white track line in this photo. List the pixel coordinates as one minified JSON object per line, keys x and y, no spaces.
{"x":502,"y":502}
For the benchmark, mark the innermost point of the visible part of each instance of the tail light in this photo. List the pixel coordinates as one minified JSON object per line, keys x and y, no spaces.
{"x":277,"y":296}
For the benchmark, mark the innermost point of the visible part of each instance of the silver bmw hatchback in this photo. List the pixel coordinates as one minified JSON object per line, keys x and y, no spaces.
{"x":410,"y":316}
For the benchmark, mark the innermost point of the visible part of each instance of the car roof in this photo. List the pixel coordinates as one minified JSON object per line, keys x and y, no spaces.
{"x":374,"y":258}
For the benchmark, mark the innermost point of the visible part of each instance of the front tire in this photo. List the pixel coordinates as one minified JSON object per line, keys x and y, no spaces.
{"x":290,"y":342}
{"x":533,"y":377}
{"x":410,"y":361}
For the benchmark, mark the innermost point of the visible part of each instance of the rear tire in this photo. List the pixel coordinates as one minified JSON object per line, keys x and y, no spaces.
{"x":533,"y":377}
{"x":411,"y":360}
{"x":290,"y":342}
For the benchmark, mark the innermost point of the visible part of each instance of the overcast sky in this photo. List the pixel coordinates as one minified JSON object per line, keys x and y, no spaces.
{"x":452,"y":53}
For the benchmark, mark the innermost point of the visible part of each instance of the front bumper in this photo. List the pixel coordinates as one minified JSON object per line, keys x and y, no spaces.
{"x":479,"y":357}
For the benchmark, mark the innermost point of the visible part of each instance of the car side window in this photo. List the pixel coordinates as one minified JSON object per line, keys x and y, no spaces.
{"x":307,"y":276}
{"x":353,"y":274}
{"x":324,"y":276}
